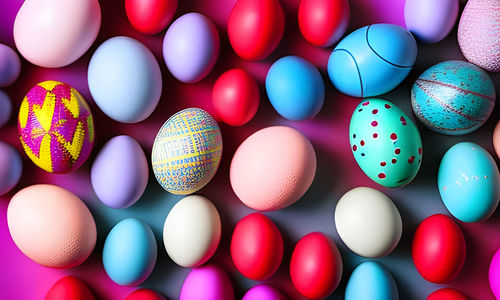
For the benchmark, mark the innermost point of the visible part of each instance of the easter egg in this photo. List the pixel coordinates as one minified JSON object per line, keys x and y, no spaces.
{"x":479,"y":33}
{"x":385,"y":142}
{"x":69,"y":288}
{"x":453,"y":97}
{"x":53,"y":34}
{"x":235,"y":97}
{"x":10,"y":66}
{"x":371,"y":281}
{"x":208,"y":282}
{"x":496,"y":138}
{"x":494,"y":274}
{"x":438,"y":249}
{"x":129,"y":253}
{"x":11,"y":167}
{"x":190,"y":47}
{"x":372,"y":60}
{"x":125,"y":79}
{"x":51,"y":226}
{"x":368,"y":222}
{"x":447,"y":294}
{"x":430,"y":21}
{"x":469,"y":182}
{"x":323,"y":22}
{"x":264,"y":292}
{"x":255,"y":28}
{"x":145,"y":294}
{"x":5,"y":108}
{"x":282,"y":173}
{"x":56,"y":127}
{"x":315,"y":266}
{"x":120,"y":172}
{"x":186,"y":151}
{"x":192,"y":231}
{"x":256,"y":247}
{"x":150,"y":16}
{"x":295,"y":88}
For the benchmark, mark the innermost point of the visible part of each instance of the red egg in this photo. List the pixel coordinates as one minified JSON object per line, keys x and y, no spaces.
{"x":323,"y":22}
{"x":235,"y":97}
{"x":255,"y":27}
{"x":69,"y":288}
{"x":256,"y":247}
{"x":150,"y":16}
{"x":145,"y":294}
{"x":316,"y":266}
{"x":446,"y":294}
{"x":438,"y":249}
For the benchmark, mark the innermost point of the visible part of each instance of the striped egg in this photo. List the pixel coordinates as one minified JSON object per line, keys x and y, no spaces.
{"x":453,"y":97}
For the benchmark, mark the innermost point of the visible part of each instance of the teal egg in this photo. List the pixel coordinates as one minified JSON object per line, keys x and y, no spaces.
{"x":468,"y":181}
{"x":371,"y":281}
{"x":385,"y":143}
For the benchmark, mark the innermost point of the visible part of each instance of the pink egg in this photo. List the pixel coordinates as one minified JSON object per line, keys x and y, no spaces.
{"x":264,"y":292}
{"x":494,"y":274}
{"x":209,"y":282}
{"x":496,"y":139}
{"x":273,"y":168}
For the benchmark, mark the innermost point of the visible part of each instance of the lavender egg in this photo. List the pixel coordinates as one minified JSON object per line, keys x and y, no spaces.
{"x":5,"y":108}
{"x":11,"y":167}
{"x":10,"y":66}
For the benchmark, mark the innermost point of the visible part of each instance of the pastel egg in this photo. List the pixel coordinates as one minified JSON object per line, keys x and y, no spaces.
{"x":264,"y":292}
{"x":11,"y":167}
{"x":315,"y":266}
{"x":479,"y":33}
{"x":256,"y":247}
{"x":51,"y":226}
{"x":5,"y":108}
{"x":145,"y":294}
{"x":69,"y":288}
{"x":496,"y":138}
{"x":129,"y":253}
{"x":150,"y":16}
{"x":192,"y":231}
{"x":447,"y":294}
{"x":372,"y":60}
{"x":190,"y":47}
{"x":371,"y":281}
{"x":453,"y":97}
{"x":54,"y":34}
{"x":10,"y":66}
{"x":438,"y":249}
{"x":187,"y":151}
{"x":368,"y":222}
{"x":295,"y":88}
{"x":208,"y":282}
{"x":282,"y":173}
{"x":125,"y":79}
{"x":494,"y":274}
{"x":469,"y":182}
{"x":385,"y":142}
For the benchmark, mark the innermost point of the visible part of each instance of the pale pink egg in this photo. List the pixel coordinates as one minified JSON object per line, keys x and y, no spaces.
{"x":496,"y":139}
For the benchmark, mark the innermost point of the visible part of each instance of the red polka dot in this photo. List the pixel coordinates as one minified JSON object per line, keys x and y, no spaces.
{"x":382,"y":163}
{"x":375,"y":135}
{"x":366,"y":103}
{"x":387,"y":106}
{"x":354,"y":148}
{"x":374,"y":123}
{"x":411,"y":159}
{"x":394,"y":160}
{"x":420,"y":151}
{"x":394,"y":136}
{"x":403,"y":120}
{"x":397,"y":151}
{"x":362,"y":143}
{"x":375,"y":111}
{"x":381,"y":175}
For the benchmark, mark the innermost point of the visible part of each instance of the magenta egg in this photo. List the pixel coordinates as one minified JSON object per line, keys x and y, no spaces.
{"x":209,"y":282}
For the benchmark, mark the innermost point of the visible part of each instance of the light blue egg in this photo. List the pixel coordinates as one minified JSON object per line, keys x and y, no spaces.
{"x":295,"y":88}
{"x":371,"y":281}
{"x":125,"y":79}
{"x":468,"y":181}
{"x":129,"y":253}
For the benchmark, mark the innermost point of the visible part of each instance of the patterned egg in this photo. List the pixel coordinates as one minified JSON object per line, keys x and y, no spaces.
{"x":453,"y":97}
{"x":56,"y":127}
{"x":186,"y":152}
{"x":385,"y":142}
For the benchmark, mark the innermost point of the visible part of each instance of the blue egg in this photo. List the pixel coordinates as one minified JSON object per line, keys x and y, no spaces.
{"x":468,"y":181}
{"x":295,"y":88}
{"x":371,"y":281}
{"x":129,"y":253}
{"x":125,"y":79}
{"x":372,"y":60}
{"x":11,"y":167}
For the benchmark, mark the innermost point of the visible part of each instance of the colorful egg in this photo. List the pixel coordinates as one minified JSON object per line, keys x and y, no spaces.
{"x":371,"y":281}
{"x":186,"y":151}
{"x":129,"y":253}
{"x":264,"y":292}
{"x":282,"y":173}
{"x":453,"y":97}
{"x":479,"y":33}
{"x":447,"y":294}
{"x":5,"y":108}
{"x":150,"y":16}
{"x":10,"y":66}
{"x":69,"y":288}
{"x":323,"y":22}
{"x":438,"y":249}
{"x":256,"y":247}
{"x":11,"y":167}
{"x":56,"y":127}
{"x":469,"y":182}
{"x":372,"y":60}
{"x":295,"y":88}
{"x":208,"y":282}
{"x":496,"y":139}
{"x":315,"y":266}
{"x":494,"y":274}
{"x":145,"y":294}
{"x":190,"y":47}
{"x":56,"y":33}
{"x":255,"y":28}
{"x":385,"y":142}
{"x":51,"y":226}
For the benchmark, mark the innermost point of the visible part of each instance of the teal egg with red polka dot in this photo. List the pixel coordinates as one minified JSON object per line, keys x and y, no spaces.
{"x":385,"y":143}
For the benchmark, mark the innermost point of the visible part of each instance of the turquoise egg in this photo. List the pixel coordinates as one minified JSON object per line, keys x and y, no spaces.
{"x":468,"y":181}
{"x":385,"y":143}
{"x":371,"y":281}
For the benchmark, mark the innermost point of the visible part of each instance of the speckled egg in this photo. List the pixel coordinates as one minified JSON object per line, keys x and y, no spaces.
{"x":385,"y":142}
{"x":453,"y":97}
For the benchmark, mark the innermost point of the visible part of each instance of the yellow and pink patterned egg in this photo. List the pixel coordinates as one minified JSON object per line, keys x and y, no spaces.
{"x":56,"y":127}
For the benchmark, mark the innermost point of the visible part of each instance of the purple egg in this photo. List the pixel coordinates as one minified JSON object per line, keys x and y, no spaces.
{"x":5,"y":108}
{"x":208,"y":282}
{"x":120,"y":173}
{"x":264,"y":292}
{"x":10,"y":66}
{"x":11,"y":167}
